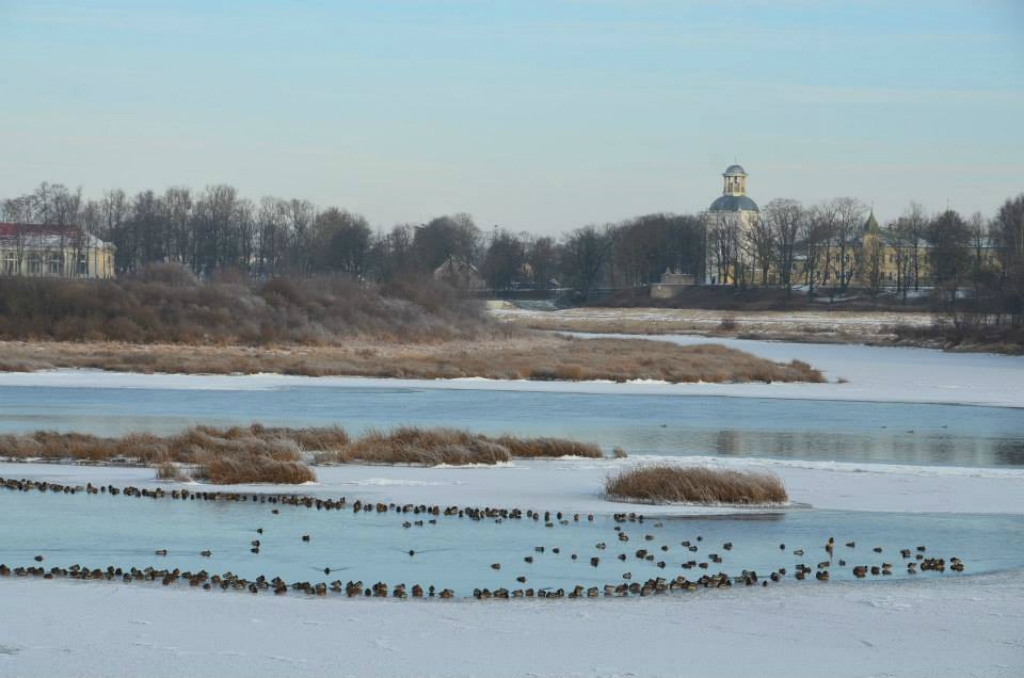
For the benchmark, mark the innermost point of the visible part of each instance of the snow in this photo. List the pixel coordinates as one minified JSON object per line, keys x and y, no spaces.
{"x":955,"y":626}
{"x":575,"y":485}
{"x":958,"y":626}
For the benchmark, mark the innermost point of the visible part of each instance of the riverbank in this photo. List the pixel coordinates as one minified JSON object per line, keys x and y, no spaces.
{"x":873,"y":328}
{"x":535,"y":357}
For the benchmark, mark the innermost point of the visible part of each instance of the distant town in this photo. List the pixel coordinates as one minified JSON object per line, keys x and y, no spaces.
{"x":833,"y":247}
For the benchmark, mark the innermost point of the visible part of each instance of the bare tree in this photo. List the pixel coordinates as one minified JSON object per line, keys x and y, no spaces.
{"x":760,"y":238}
{"x":848,"y":224}
{"x":786,"y":219}
{"x":585,"y":252}
{"x":724,"y":242}
{"x":915,"y":224}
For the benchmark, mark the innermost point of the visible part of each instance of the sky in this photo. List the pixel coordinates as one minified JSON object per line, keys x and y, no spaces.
{"x":533,"y":115}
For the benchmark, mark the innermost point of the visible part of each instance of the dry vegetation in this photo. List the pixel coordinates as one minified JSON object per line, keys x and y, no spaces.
{"x":258,"y":454}
{"x":806,"y":326}
{"x":165,"y":321}
{"x":539,"y":357}
{"x":167,"y":304}
{"x":253,"y":454}
{"x":668,"y":484}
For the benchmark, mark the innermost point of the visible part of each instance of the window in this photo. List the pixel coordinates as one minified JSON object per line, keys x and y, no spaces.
{"x":83,"y":265}
{"x":35,"y":263}
{"x":10,"y":264}
{"x":55,"y":264}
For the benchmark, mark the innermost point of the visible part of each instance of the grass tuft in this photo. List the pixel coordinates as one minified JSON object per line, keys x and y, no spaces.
{"x":429,"y":447}
{"x":252,"y":467}
{"x":665,"y":483}
{"x":256,"y":453}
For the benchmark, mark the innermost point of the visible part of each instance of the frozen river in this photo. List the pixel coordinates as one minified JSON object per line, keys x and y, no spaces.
{"x":896,"y":405}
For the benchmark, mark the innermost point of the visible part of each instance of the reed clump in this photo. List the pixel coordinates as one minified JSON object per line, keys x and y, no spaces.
{"x":664,"y":483}
{"x":548,"y":447}
{"x":533,"y":357}
{"x":428,"y":447}
{"x":257,"y":453}
{"x":253,"y":467}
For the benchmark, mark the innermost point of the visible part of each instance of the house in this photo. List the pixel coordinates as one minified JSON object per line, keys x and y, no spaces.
{"x":459,"y":273}
{"x":52,"y":250}
{"x":672,"y":284}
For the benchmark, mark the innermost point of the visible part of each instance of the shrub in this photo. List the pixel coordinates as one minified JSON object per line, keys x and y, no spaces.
{"x":666,"y":483}
{"x":165,"y":303}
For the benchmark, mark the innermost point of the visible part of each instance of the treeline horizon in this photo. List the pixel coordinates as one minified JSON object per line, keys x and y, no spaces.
{"x":216,"y":230}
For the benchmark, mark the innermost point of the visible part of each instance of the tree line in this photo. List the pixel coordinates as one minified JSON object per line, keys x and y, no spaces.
{"x":787,"y":244}
{"x":217,"y":229}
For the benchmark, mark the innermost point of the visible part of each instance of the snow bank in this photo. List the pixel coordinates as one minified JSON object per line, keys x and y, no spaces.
{"x":956,"y":626}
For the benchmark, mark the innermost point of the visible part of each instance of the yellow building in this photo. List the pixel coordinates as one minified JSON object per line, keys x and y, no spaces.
{"x":726,"y":223}
{"x":48,"y":250}
{"x":875,"y":259}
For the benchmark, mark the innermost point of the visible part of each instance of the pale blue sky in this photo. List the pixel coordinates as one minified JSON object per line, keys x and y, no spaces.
{"x":539,"y":115}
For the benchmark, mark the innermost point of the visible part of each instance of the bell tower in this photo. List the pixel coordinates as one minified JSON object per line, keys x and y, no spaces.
{"x":734,"y":181}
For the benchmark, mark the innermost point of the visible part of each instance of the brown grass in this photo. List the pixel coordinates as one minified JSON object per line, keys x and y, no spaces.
{"x":427,"y":447}
{"x":225,"y":456}
{"x":252,"y":467}
{"x":666,"y":483}
{"x":802,"y":326}
{"x":536,"y":357}
{"x":548,"y":447}
{"x":256,"y":453}
{"x":430,"y":447}
{"x":164,"y":303}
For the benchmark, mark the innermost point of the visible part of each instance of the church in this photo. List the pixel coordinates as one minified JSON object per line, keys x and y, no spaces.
{"x":726,"y":222}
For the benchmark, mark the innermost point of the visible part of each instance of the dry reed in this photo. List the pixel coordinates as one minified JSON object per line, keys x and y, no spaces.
{"x":426,"y":447}
{"x":256,"y":453}
{"x":667,"y":483}
{"x":535,"y":357}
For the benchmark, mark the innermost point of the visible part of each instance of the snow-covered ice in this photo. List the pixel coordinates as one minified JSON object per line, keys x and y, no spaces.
{"x":957,"y":626}
{"x":576,"y":485}
{"x":963,"y":626}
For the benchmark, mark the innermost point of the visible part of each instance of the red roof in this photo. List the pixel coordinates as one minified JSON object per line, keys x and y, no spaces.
{"x":9,"y":230}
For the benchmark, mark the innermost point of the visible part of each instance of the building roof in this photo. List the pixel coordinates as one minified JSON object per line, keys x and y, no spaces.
{"x":48,"y":235}
{"x":871,"y":225}
{"x":733,"y":203}
{"x":734,"y":169}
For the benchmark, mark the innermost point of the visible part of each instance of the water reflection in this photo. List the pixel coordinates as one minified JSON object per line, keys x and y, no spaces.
{"x":909,"y":433}
{"x":124,"y":532}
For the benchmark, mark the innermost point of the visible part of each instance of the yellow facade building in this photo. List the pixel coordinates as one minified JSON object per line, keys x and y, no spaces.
{"x":47,"y":250}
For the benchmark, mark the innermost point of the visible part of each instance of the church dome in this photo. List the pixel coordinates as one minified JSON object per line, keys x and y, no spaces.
{"x":733,"y":203}
{"x":734,"y":169}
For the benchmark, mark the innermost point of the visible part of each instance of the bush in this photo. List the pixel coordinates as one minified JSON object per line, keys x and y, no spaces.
{"x":249,"y":467}
{"x":666,"y":483}
{"x":165,"y":303}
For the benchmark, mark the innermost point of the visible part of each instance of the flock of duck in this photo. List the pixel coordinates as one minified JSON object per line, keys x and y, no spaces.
{"x":915,"y":559}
